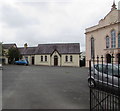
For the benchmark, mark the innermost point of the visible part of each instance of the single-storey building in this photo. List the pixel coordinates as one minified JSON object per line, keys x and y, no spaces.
{"x":66,"y":54}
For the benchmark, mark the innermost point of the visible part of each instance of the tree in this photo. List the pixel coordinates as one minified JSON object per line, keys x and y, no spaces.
{"x":13,"y":54}
{"x":2,"y":52}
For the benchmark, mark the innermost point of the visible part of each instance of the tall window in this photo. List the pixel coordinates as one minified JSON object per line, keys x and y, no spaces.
{"x":92,"y":48}
{"x":107,"y":42}
{"x":113,"y":39}
{"x":119,"y":40}
{"x":66,"y":58}
{"x":41,"y":58}
{"x":45,"y":58}
{"x":71,"y":58}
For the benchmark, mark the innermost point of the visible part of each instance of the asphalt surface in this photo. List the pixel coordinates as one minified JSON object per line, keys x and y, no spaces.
{"x":39,"y":87}
{"x":0,"y":87}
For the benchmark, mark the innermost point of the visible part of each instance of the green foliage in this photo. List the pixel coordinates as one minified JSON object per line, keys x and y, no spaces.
{"x":13,"y":54}
{"x":2,"y":52}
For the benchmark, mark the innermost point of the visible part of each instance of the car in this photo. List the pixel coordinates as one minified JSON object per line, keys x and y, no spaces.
{"x":21,"y":62}
{"x":104,"y":74}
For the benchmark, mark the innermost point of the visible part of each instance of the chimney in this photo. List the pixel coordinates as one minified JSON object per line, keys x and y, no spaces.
{"x":25,"y":45}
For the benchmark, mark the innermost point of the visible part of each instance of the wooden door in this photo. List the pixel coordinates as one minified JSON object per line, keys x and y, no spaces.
{"x":32,"y":60}
{"x":55,"y":60}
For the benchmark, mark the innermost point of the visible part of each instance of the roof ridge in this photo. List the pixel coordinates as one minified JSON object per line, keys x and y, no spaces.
{"x":57,"y":43}
{"x":28,"y":47}
{"x":10,"y":44}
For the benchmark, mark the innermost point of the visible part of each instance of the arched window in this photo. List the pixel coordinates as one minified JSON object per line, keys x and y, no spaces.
{"x":41,"y":58}
{"x":113,"y":39}
{"x":92,"y":48}
{"x":66,"y":58}
{"x":71,"y":58}
{"x":119,"y":40}
{"x":107,"y":42}
{"x":45,"y":58}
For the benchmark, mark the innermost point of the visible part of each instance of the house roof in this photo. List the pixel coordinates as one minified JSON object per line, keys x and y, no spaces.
{"x":27,"y":51}
{"x":69,"y":48}
{"x":7,"y":46}
{"x":64,"y":48}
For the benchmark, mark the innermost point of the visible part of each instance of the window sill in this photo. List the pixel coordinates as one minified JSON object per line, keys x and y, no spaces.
{"x":43,"y":61}
{"x":111,"y":48}
{"x":68,"y":62}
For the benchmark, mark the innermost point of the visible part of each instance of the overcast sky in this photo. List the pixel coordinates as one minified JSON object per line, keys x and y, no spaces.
{"x":49,"y":21}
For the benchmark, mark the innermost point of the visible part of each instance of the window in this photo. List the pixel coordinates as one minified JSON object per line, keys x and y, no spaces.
{"x":107,"y":69}
{"x":119,"y":40}
{"x":112,"y":70}
{"x":71,"y":59}
{"x":41,"y":58}
{"x":45,"y":58}
{"x":66,"y":58}
{"x":92,"y":48}
{"x":107,"y":42}
{"x":113,"y":39}
{"x":101,"y":68}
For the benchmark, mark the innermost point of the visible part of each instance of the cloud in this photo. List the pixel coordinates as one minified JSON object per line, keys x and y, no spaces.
{"x":48,"y":21}
{"x":13,"y":17}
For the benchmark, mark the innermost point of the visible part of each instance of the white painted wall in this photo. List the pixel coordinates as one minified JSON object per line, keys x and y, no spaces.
{"x":50,"y":60}
{"x":39,"y":62}
{"x":61,"y":60}
{"x":75,"y":61}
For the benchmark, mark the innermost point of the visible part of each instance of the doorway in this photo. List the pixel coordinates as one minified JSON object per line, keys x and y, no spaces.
{"x":33,"y":59}
{"x":55,"y":60}
{"x":118,"y":58}
{"x":108,"y":58}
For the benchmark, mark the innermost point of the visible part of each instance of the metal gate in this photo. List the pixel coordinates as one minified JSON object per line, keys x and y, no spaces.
{"x":104,"y":83}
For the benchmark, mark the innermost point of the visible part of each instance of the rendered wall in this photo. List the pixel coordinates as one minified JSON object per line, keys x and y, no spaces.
{"x":39,"y":62}
{"x":99,"y":35}
{"x":74,"y":63}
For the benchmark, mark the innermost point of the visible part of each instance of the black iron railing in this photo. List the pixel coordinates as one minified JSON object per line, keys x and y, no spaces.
{"x":104,"y":83}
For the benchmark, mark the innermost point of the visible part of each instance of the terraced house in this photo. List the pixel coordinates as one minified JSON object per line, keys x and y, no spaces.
{"x":67,"y":54}
{"x":52,"y":54}
{"x":104,"y":38}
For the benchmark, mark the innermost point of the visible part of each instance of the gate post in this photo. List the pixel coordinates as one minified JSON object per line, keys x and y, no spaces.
{"x":90,"y":88}
{"x":118,"y":97}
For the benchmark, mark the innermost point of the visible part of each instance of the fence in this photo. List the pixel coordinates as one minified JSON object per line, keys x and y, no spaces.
{"x":104,"y":83}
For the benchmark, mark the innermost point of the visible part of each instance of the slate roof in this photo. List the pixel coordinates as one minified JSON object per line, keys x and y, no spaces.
{"x":64,"y":48}
{"x":69,"y":48}
{"x":27,"y":51}
{"x":7,"y":46}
